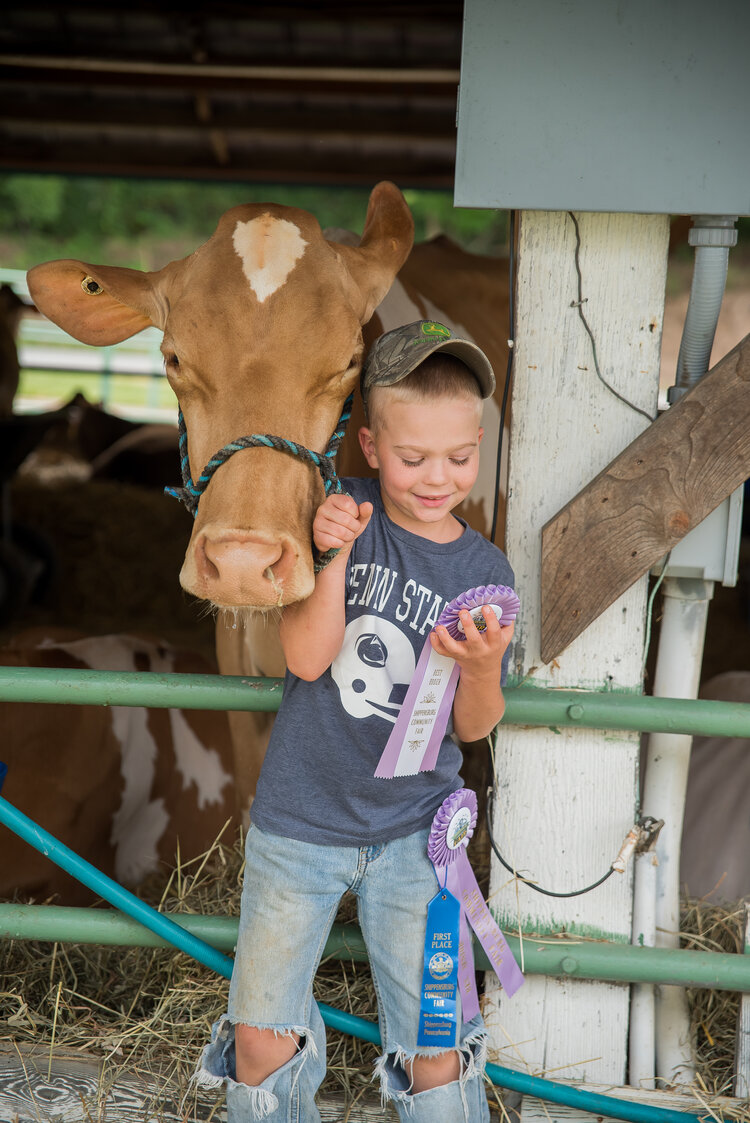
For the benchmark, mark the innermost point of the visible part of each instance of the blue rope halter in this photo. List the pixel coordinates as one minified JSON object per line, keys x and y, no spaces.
{"x":325,"y":462}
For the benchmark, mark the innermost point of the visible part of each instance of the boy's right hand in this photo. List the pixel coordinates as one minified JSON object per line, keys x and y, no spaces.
{"x":338,"y":521}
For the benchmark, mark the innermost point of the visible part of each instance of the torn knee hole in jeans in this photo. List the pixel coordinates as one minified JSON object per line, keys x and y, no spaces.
{"x":218,"y":1062}
{"x":302,"y":1033}
{"x":394,"y":1068}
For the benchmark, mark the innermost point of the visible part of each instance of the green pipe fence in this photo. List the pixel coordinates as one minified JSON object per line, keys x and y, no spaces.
{"x":608,"y":962}
{"x":525,"y":705}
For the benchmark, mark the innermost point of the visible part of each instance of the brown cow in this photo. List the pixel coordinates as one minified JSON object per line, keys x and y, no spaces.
{"x":123,"y":786}
{"x":263,"y":334}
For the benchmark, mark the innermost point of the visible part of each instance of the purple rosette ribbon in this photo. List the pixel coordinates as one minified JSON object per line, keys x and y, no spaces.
{"x":500,"y":598}
{"x":415,"y":740}
{"x":450,"y":833}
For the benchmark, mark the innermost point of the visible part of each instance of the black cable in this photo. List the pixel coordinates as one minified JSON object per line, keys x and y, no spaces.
{"x":579,"y":305}
{"x":506,"y":388}
{"x":525,"y":880}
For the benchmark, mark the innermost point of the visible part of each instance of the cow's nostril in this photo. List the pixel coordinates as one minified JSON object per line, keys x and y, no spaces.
{"x":282,"y":569}
{"x":206,"y":568}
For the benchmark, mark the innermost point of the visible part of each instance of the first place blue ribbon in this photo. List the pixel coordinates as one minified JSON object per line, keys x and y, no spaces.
{"x":438,"y":999}
{"x":450,"y":834}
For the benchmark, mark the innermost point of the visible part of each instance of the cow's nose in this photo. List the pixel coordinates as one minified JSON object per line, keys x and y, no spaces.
{"x":243,"y":568}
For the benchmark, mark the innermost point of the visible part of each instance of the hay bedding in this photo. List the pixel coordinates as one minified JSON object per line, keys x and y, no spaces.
{"x":714,"y":1013}
{"x":148,"y":1012}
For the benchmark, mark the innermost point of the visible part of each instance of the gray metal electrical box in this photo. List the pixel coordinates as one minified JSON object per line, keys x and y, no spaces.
{"x":605,"y":105}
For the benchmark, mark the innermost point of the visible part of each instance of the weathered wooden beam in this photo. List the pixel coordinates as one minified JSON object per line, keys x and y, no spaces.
{"x":664,"y":483}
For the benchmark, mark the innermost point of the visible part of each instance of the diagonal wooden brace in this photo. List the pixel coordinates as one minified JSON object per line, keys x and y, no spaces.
{"x":666,"y":482}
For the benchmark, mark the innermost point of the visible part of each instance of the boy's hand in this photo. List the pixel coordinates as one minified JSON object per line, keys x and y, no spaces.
{"x":338,"y":521}
{"x":480,"y":654}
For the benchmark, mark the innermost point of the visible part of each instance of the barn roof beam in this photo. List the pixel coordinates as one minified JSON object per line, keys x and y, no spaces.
{"x":386,"y":124}
{"x":289,"y":174}
{"x":351,"y":76}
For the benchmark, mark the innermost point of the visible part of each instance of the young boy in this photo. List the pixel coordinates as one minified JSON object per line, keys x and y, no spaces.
{"x":322,"y":823}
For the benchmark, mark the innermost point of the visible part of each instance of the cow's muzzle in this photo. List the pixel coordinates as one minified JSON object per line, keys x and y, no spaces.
{"x":325,"y":462}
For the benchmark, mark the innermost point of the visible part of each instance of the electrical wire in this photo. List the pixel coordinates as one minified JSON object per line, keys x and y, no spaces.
{"x":525,"y":880}
{"x":579,"y":305}
{"x":650,"y":612}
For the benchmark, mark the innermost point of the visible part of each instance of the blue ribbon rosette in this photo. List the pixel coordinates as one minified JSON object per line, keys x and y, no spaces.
{"x":451,"y":831}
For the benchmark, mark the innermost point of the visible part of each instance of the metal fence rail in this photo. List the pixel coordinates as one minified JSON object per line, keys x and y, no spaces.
{"x":525,"y":705}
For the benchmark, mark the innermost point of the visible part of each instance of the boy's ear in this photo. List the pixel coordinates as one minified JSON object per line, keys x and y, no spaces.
{"x":367,"y":444}
{"x":480,"y":435}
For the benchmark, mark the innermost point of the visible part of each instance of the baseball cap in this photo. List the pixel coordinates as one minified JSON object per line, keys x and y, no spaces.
{"x":396,"y":354}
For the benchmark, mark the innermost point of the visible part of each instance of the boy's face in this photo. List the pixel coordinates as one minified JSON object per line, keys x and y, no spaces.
{"x":427,"y":457}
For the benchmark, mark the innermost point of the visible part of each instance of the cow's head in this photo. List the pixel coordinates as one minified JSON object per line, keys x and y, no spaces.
{"x":262,"y":334}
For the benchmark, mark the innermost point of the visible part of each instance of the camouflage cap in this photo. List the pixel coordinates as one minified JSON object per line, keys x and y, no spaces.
{"x":396,"y":354}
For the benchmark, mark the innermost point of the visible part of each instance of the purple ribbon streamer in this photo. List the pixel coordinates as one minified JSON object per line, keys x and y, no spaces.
{"x":428,"y":758}
{"x":463,"y":884}
{"x":441,"y":721}
{"x":425,"y":759}
{"x":453,"y":870}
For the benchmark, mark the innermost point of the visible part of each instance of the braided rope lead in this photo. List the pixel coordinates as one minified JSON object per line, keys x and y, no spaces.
{"x":325,"y":462}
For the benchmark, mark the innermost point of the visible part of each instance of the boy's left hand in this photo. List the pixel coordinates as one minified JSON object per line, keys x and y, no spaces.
{"x":481,"y":653}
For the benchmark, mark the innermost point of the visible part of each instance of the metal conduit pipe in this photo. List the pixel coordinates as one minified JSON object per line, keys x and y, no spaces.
{"x":156,"y":922}
{"x":606,"y":962}
{"x":642,"y":1025}
{"x":712,"y":236}
{"x":525,"y":705}
{"x":677,"y":673}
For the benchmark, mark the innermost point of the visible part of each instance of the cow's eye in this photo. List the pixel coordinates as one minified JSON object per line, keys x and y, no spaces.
{"x":171,"y":360}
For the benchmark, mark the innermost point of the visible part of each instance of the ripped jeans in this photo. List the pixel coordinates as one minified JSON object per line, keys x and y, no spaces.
{"x":290,"y":898}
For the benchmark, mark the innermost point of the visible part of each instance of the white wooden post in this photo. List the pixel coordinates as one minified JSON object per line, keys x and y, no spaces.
{"x":565,"y":799}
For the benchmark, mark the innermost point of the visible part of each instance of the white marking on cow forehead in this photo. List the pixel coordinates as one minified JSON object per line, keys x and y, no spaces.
{"x":269,"y":249}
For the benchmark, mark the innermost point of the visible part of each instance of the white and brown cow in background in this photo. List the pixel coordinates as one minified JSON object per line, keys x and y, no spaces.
{"x":263,"y":333}
{"x":127,"y":788}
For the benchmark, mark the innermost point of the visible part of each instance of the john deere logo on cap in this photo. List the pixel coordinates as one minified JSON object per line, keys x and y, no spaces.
{"x":431,"y":329}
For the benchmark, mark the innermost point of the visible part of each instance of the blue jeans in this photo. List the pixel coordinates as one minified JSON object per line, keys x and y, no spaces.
{"x":290,"y":898}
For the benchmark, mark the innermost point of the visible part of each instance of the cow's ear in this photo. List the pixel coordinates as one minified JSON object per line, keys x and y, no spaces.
{"x":98,"y":304}
{"x":384,"y":247}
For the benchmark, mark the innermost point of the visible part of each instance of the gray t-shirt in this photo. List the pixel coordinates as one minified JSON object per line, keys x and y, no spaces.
{"x":317,"y":781}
